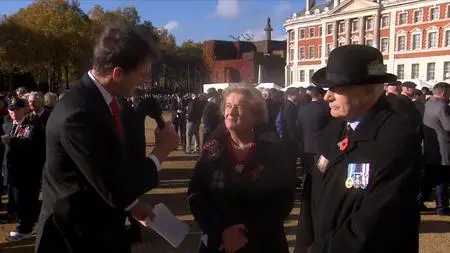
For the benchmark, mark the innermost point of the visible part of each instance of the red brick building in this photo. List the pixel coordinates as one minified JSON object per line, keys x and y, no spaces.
{"x":413,"y":35}
{"x":240,"y":61}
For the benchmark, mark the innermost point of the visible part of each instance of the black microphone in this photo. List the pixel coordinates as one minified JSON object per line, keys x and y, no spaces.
{"x":155,"y":112}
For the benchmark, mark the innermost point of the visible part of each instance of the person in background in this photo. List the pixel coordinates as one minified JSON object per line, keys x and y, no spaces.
{"x":21,"y":91}
{"x":179,"y":118}
{"x":312,"y":119}
{"x":436,"y":121}
{"x":194,"y":118}
{"x":22,"y":168}
{"x":394,"y":88}
{"x":50,"y":100}
{"x":362,"y":194}
{"x":418,"y":100}
{"x":212,"y":116}
{"x":242,"y":188}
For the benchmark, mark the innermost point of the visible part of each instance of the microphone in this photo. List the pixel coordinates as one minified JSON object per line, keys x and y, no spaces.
{"x":155,"y":112}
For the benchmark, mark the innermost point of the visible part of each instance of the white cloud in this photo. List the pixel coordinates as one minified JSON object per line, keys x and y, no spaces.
{"x":227,"y":8}
{"x":171,"y":25}
{"x":282,"y":8}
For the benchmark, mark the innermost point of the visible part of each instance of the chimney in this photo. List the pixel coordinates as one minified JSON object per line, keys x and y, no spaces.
{"x":310,"y":4}
{"x":336,"y":3}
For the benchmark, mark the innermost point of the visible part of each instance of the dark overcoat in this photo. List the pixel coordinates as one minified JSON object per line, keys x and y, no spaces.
{"x":260,"y":196}
{"x":381,"y":213}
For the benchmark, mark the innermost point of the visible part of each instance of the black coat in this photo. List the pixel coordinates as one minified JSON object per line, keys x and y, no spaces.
{"x":312,"y":119}
{"x":89,"y":179}
{"x":219,"y":196}
{"x":382,"y":217}
{"x":22,"y":163}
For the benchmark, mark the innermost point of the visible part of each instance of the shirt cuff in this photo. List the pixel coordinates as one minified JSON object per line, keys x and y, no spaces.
{"x":156,"y":162}
{"x":128,"y":208}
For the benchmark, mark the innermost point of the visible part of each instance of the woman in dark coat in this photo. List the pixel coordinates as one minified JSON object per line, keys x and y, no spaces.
{"x":241,"y":190}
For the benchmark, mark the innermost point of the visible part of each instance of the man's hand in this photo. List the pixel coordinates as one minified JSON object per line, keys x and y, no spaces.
{"x":233,"y":238}
{"x":166,"y":141}
{"x":141,"y":211}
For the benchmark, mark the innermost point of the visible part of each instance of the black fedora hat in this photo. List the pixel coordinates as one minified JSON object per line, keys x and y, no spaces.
{"x":353,"y":65}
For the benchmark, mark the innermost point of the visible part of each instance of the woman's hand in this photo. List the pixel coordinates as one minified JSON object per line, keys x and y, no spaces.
{"x":233,"y":238}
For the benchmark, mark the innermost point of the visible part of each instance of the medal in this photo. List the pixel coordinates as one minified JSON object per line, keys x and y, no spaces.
{"x":349,"y":183}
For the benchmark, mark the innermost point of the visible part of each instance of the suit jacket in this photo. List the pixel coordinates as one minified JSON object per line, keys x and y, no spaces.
{"x":311,"y":121}
{"x":381,"y":213}
{"x":89,"y":178}
{"x":436,"y":132}
{"x":290,"y":137}
{"x":260,"y":196}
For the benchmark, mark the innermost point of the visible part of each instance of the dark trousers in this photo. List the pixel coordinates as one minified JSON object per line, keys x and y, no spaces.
{"x":439,"y":176}
{"x":25,"y":204}
{"x":181,"y":127}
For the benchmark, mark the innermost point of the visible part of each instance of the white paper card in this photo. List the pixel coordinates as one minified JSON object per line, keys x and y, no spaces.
{"x":167,"y":225}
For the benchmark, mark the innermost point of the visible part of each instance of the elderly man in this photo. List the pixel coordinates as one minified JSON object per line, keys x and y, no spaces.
{"x":361,"y":195}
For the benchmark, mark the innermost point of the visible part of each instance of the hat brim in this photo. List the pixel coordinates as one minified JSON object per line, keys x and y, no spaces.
{"x":319,"y":78}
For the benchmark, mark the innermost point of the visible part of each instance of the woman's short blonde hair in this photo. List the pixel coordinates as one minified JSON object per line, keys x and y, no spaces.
{"x":254,"y":99}
{"x":50,"y":99}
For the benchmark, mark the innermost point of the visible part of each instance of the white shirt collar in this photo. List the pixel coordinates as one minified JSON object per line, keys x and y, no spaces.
{"x":106,"y":95}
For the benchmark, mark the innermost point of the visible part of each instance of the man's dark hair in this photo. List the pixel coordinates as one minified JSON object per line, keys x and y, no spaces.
{"x":122,"y":46}
{"x":292,"y":91}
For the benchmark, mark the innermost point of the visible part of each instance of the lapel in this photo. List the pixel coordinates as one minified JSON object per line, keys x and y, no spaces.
{"x":102,"y":110}
{"x":366,"y":131}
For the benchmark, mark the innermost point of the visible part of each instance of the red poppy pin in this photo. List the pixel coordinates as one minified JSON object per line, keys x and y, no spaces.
{"x":255,"y":174}
{"x":343,"y":144}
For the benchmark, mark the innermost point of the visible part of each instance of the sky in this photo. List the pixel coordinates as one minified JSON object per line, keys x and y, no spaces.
{"x":199,"y":19}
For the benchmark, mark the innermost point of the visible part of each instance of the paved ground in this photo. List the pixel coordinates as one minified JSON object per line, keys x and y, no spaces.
{"x":434,"y":237}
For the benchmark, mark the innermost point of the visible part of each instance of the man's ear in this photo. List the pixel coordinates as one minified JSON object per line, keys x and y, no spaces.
{"x":117,"y":74}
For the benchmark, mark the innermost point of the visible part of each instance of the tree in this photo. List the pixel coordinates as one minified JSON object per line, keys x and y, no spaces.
{"x":64,"y":28}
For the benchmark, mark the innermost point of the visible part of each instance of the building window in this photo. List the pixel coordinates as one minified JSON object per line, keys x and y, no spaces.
{"x":415,"y":71}
{"x":434,"y":13}
{"x":320,"y":30}
{"x":447,"y":38}
{"x":341,"y":27}
{"x":291,"y":35}
{"x":311,"y":52}
{"x":418,"y":16}
{"x":302,"y":33}
{"x":432,"y":40}
{"x":403,"y":18}
{"x":311,"y":72}
{"x":431,"y":71}
{"x":355,"y":42}
{"x":355,"y":26}
{"x":417,"y":41}
{"x":385,"y":21}
{"x":329,"y":49}
{"x":401,"y":71}
{"x":329,"y":28}
{"x":448,"y":11}
{"x":369,"y":23}
{"x":291,"y":54}
{"x":311,"y":32}
{"x":301,"y":53}
{"x":401,"y":43}
{"x":302,"y":75}
{"x":384,"y":44}
{"x":446,"y":70}
{"x":319,"y":51}
{"x":341,"y":43}
{"x":369,"y":42}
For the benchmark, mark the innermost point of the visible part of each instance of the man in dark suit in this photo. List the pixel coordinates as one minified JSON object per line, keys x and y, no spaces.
{"x":312,"y":119}
{"x":361,"y":195}
{"x":91,"y":180}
